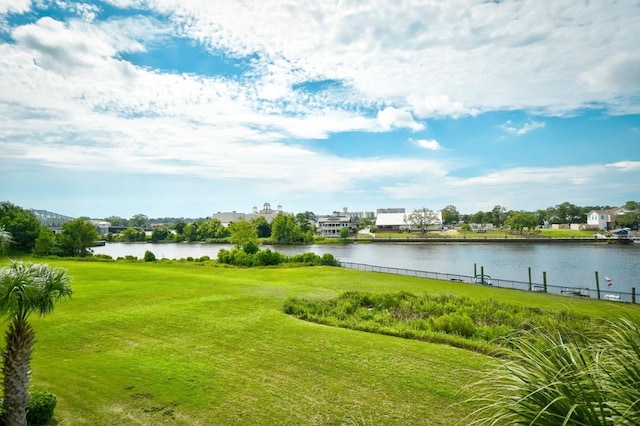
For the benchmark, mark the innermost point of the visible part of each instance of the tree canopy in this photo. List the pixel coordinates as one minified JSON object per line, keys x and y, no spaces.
{"x":423,"y":218}
{"x":22,"y":224}
{"x":77,"y":238}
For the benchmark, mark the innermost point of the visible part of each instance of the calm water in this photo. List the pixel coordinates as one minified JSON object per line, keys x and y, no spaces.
{"x":565,"y":265}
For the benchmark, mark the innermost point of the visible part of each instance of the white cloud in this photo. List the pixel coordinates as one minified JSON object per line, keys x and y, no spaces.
{"x":511,"y":128}
{"x":429,"y":144}
{"x":14,"y":6}
{"x":391,"y":118}
{"x":439,"y":106}
{"x":626,"y":165}
{"x":519,"y":187}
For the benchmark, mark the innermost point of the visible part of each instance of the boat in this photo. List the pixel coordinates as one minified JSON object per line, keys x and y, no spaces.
{"x":575,"y":291}
{"x":612,"y":297}
{"x":482,"y":279}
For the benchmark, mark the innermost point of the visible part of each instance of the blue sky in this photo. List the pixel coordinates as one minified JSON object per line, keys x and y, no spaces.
{"x":180,"y":108}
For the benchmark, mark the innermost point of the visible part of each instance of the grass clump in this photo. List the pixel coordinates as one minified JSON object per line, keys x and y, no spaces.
{"x":475,"y":324}
{"x":551,"y":379}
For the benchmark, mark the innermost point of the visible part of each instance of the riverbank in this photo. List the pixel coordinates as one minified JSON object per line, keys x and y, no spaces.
{"x":508,"y":240}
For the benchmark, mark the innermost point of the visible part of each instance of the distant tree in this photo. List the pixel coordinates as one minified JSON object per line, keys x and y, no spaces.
{"x":179,"y":227}
{"x":160,"y":234}
{"x":117,"y":221}
{"x":498,"y":215}
{"x":25,"y":288}
{"x":243,"y":233}
{"x":450,"y":215}
{"x":5,"y":241}
{"x":284,"y":230}
{"x":566,"y":213}
{"x":77,"y":238}
{"x":212,"y":229}
{"x":423,"y":218}
{"x":629,"y":220}
{"x":132,"y":235}
{"x":139,"y":221}
{"x":46,"y":242}
{"x":344,"y":233}
{"x":480,"y":217}
{"x":262,"y":227}
{"x":365,"y":223}
{"x":303,"y":221}
{"x":190,"y":232}
{"x":23,"y":225}
{"x":518,"y":221}
{"x":632,"y":206}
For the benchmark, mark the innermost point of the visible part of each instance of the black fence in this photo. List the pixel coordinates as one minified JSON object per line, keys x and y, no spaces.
{"x":616,"y":296}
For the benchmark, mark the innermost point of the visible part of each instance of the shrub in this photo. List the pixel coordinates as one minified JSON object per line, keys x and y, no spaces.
{"x":250,"y":248}
{"x":149,"y":256}
{"x":39,"y":408}
{"x":329,"y":260}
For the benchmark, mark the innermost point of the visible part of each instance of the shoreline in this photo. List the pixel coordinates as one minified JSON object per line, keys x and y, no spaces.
{"x":498,"y":240}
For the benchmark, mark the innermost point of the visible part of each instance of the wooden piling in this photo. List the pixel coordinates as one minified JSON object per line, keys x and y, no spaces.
{"x":544,"y":280}
{"x":597,"y":285}
{"x":529,"y":278}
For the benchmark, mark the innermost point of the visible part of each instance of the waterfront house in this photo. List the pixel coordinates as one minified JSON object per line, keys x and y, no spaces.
{"x":604,"y":219}
{"x":330,"y":226}
{"x":392,"y":220}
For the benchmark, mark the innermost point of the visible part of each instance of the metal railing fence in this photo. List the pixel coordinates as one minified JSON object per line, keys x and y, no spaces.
{"x":496,"y":282}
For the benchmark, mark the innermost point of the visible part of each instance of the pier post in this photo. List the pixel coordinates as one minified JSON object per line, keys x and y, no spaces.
{"x":482,"y":274}
{"x":544,"y":280}
{"x":633,"y":295}
{"x":529,"y":278}
{"x":597,"y":285}
{"x":475,"y":270}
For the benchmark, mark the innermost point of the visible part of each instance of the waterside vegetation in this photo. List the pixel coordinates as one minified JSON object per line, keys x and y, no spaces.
{"x":193,"y":343}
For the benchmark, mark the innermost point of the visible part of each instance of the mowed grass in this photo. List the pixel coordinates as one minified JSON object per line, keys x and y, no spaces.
{"x":190,"y":344}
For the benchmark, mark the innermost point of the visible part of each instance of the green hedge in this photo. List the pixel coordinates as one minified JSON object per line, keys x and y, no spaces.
{"x":39,"y":408}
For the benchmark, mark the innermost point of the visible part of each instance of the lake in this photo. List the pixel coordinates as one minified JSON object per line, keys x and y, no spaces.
{"x":565,"y":264}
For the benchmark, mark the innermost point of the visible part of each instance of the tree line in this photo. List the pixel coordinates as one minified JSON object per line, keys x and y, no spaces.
{"x":78,"y":236}
{"x":564,"y":213}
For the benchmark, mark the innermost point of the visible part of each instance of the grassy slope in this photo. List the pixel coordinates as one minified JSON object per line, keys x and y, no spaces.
{"x":187,"y":344}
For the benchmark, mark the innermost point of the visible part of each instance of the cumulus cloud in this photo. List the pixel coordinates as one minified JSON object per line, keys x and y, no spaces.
{"x":69,"y":98}
{"x":15,"y":6}
{"x":390,"y":118}
{"x":428,"y":144}
{"x":525,"y":128}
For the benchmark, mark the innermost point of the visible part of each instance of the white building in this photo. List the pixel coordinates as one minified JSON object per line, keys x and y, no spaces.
{"x":330,"y":226}
{"x":604,"y":219}
{"x":267,"y":212}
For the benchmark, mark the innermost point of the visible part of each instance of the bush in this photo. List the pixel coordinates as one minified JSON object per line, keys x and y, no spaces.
{"x":39,"y":408}
{"x":149,"y":256}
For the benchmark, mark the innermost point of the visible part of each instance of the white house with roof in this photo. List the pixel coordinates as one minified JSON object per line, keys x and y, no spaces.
{"x":392,"y":220}
{"x":330,"y":226}
{"x":604,"y":219}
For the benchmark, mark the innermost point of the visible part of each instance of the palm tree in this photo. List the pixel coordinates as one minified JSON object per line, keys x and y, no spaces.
{"x":5,"y":241}
{"x":25,"y":288}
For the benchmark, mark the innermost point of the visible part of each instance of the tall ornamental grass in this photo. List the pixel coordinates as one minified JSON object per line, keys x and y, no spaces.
{"x":549,"y":379}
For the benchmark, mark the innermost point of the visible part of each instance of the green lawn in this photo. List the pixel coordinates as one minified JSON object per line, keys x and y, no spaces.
{"x":189,"y":344}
